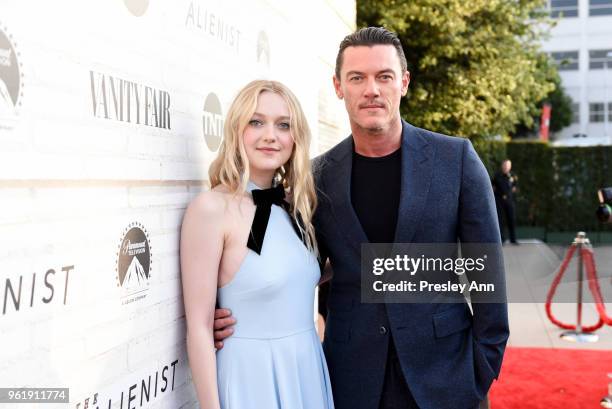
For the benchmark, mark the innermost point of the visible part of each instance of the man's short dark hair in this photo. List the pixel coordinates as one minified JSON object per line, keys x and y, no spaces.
{"x":369,"y":37}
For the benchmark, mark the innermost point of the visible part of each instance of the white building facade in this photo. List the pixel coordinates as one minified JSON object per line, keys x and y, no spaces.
{"x":581,"y":44}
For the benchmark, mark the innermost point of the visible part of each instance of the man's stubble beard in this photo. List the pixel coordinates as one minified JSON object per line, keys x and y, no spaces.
{"x":380,"y":129}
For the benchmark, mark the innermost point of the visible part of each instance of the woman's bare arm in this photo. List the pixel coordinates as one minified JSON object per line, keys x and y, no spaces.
{"x":202,"y":238}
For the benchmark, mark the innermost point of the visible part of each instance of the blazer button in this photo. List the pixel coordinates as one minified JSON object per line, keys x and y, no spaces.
{"x":382,"y":330}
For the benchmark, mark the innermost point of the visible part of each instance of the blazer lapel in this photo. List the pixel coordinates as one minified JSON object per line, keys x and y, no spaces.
{"x":338,"y":186}
{"x":417,"y":169}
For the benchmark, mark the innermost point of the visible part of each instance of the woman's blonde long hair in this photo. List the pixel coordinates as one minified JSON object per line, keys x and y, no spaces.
{"x":231,"y":167}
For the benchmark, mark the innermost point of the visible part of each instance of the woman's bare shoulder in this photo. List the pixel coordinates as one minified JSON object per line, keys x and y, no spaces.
{"x":216,"y":202}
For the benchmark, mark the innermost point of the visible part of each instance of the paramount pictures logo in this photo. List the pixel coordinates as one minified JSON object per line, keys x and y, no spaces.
{"x":11,"y":80}
{"x":134,"y":263}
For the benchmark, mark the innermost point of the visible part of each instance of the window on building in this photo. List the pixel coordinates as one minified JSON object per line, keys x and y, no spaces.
{"x":609,"y":111}
{"x":598,"y":59}
{"x":596,"y":112}
{"x":565,"y":60}
{"x":600,"y":7}
{"x":563,"y":8}
{"x":575,"y":113}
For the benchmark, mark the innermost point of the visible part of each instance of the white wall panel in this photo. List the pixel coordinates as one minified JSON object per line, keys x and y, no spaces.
{"x":79,"y":179}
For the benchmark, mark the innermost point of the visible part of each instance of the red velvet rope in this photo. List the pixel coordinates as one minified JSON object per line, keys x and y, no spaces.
{"x":591,"y":273}
{"x":594,"y":286}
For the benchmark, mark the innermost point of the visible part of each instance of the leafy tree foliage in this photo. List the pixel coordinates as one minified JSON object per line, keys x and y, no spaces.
{"x":560,"y":102}
{"x":473,"y":64}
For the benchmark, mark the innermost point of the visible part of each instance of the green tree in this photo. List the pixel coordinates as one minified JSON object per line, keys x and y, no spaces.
{"x":473,"y":64}
{"x":560,"y":102}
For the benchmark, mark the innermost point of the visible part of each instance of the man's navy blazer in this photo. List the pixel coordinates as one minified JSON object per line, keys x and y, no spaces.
{"x":449,"y":355}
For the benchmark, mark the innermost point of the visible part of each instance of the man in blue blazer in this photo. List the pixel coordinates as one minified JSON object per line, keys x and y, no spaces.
{"x":392,"y":182}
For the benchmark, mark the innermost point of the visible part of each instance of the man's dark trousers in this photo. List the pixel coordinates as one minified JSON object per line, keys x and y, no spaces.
{"x":505,"y":210}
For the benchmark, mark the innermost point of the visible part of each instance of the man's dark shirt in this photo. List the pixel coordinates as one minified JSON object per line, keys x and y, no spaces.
{"x":375,"y":193}
{"x":503,"y":184}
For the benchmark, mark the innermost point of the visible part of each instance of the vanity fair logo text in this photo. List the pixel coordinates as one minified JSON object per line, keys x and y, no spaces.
{"x":128,"y":101}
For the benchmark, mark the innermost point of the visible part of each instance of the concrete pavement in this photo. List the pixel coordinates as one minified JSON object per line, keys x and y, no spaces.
{"x":530,"y":268}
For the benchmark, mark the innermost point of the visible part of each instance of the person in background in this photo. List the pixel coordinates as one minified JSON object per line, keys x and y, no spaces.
{"x":504,"y":186}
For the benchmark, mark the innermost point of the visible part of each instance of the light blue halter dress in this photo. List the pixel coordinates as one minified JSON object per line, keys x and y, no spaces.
{"x":274,"y":359}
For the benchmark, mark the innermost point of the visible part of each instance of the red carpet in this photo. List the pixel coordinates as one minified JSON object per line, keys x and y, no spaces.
{"x":541,"y":378}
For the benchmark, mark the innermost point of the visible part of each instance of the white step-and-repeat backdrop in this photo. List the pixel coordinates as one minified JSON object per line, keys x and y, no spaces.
{"x":110,"y":114}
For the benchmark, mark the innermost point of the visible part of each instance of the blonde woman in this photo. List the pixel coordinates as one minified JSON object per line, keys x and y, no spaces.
{"x":249,"y":244}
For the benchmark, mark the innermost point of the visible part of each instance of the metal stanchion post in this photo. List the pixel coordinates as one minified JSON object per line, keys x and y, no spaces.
{"x":578,"y":335}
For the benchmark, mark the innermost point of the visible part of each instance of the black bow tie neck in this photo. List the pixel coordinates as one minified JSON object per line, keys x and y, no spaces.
{"x":263,"y":199}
